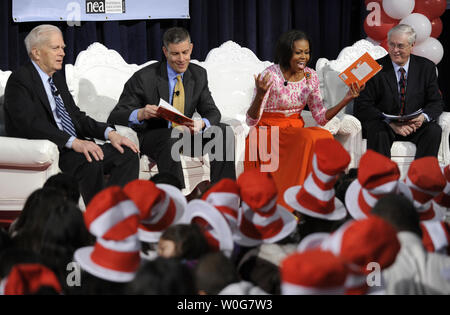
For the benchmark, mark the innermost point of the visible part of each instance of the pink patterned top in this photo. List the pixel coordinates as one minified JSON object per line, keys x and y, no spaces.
{"x":292,"y":98}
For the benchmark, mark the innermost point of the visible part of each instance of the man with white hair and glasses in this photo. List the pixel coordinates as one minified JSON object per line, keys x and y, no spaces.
{"x":38,"y":105}
{"x":406,"y":84}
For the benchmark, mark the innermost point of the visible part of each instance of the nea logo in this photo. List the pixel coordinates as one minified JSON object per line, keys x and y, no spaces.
{"x":95,"y":6}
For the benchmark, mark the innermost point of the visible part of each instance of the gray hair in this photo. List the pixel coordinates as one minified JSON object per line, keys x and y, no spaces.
{"x":405,"y":29}
{"x":39,"y":35}
{"x":175,"y":35}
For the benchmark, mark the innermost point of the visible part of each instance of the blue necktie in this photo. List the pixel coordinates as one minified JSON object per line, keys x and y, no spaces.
{"x":61,"y":111}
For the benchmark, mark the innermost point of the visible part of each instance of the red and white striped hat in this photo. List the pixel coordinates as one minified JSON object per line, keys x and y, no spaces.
{"x":213,"y":225}
{"x":262,"y":220}
{"x":359,"y":243}
{"x":377,"y":176}
{"x":160,"y":205}
{"x":313,"y":272}
{"x":316,"y":198}
{"x":24,"y":279}
{"x":424,"y":182}
{"x":443,"y":199}
{"x":113,"y":218}
{"x":225,"y":197}
{"x":436,"y":236}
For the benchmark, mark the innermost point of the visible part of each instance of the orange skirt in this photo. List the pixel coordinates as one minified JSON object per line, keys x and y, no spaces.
{"x":280,"y":145}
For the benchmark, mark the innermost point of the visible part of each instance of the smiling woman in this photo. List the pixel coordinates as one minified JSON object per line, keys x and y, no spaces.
{"x":282,"y":92}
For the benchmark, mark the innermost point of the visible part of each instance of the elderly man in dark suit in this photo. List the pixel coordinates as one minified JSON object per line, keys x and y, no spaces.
{"x":38,"y":105}
{"x":406,"y":84}
{"x":185,"y":86}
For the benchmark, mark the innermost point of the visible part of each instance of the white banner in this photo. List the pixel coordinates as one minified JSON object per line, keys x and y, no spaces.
{"x":98,"y":10}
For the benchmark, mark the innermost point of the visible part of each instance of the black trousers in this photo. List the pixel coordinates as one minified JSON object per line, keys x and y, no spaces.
{"x":164,"y":146}
{"x":121,"y":168}
{"x":380,"y":137}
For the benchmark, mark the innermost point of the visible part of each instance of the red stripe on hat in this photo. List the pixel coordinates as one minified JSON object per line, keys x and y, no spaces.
{"x":165,"y":222}
{"x":227,"y":210}
{"x":427,"y":215}
{"x":260,"y":232}
{"x":114,"y":260}
{"x":426,"y":174}
{"x":443,"y":200}
{"x":266,"y":214}
{"x":102,"y":202}
{"x":123,"y":229}
{"x":212,"y":241}
{"x":376,"y":169}
{"x":362,"y":203}
{"x":310,"y":202}
{"x":426,"y":239}
{"x":322,"y":185}
{"x":420,"y":196}
{"x":144,"y":194}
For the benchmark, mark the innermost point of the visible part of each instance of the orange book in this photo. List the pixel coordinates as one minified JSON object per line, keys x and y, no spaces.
{"x":361,"y":71}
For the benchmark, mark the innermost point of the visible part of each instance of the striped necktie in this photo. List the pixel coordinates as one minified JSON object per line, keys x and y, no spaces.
{"x":61,"y":111}
{"x":402,"y":85}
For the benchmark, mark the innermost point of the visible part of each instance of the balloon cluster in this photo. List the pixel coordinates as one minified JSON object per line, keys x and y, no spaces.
{"x":422,"y":15}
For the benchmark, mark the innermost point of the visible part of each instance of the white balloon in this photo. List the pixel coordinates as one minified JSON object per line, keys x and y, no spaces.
{"x":431,"y":48}
{"x":398,"y":9}
{"x":420,"y":23}
{"x":373,"y":41}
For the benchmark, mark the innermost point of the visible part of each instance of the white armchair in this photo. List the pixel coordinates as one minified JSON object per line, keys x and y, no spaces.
{"x":333,"y":90}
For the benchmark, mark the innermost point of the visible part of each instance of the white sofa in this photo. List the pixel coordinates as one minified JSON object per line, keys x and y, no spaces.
{"x":333,"y":90}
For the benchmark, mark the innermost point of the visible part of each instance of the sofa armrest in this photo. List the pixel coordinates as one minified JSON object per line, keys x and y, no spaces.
{"x":128,"y":132}
{"x":240,"y":130}
{"x":332,"y":126}
{"x":444,"y":149}
{"x":18,"y":153}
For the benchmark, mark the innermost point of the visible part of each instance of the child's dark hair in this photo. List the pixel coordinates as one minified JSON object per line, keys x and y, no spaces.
{"x":190,"y":243}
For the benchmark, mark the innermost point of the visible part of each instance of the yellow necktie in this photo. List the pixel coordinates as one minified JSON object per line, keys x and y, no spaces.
{"x":178,"y":96}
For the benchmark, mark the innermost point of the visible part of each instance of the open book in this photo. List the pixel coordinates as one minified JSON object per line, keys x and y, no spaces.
{"x":364,"y":68}
{"x":168,"y":112}
{"x":403,"y":118}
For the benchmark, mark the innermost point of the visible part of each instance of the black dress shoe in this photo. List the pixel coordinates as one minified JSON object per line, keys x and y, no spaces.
{"x":199,"y":190}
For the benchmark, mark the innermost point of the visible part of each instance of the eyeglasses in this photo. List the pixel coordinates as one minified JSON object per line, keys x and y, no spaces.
{"x":399,"y":46}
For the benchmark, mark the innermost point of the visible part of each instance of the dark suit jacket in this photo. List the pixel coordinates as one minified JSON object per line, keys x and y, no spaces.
{"x":149,"y":84}
{"x":28,"y":113}
{"x":381,"y":92}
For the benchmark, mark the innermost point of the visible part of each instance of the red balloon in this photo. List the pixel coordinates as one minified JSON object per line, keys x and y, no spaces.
{"x":436,"y":27}
{"x":369,"y":1}
{"x":430,"y":8}
{"x":384,"y":43}
{"x":379,"y":32}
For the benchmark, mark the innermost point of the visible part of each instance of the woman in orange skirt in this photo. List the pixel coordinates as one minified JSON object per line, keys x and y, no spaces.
{"x":279,"y":143}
